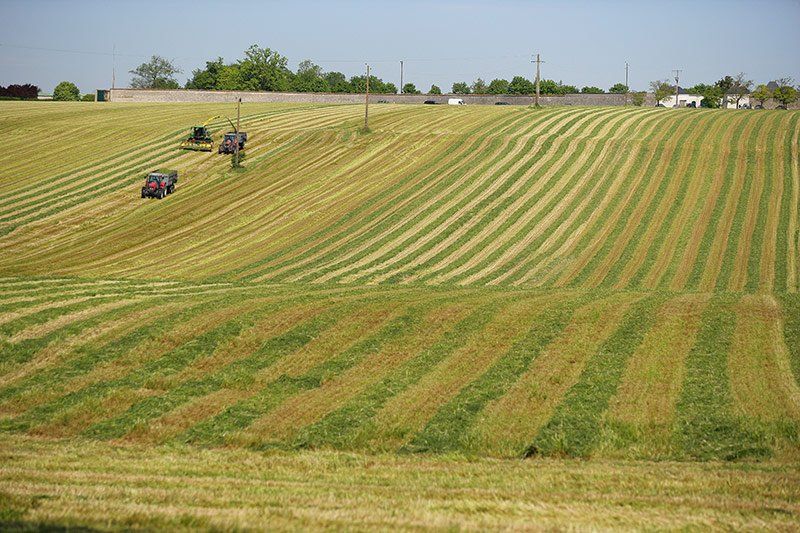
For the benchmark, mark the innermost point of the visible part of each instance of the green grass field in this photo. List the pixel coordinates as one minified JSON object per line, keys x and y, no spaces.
{"x":562,"y":294}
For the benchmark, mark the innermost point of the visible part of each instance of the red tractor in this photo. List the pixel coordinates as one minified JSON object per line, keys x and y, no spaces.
{"x":228,"y":144}
{"x":159,"y":184}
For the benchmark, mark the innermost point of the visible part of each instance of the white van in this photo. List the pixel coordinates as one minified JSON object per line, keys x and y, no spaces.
{"x":455,"y":101}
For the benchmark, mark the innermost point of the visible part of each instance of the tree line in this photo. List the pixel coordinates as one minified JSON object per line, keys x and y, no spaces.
{"x":732,"y":88}
{"x":25,"y":91}
{"x":264,"y":69}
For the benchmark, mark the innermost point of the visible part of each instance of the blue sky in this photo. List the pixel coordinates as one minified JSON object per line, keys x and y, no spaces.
{"x":582,"y":42}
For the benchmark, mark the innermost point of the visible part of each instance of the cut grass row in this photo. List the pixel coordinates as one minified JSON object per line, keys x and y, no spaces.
{"x":487,"y":372}
{"x":80,"y":484}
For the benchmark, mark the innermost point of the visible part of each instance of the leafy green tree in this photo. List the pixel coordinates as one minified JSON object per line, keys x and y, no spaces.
{"x":479,"y":87}
{"x":309,"y":78}
{"x":592,"y":90}
{"x":762,"y":94}
{"x":567,"y":89}
{"x":521,"y":85}
{"x":410,"y":88}
{"x":619,"y":88}
{"x":208,"y":78}
{"x":435,"y":90}
{"x":548,"y":87}
{"x":712,"y":95}
{"x":230,"y":79}
{"x":498,"y":86}
{"x":358,"y":84}
{"x":88,"y":97}
{"x":158,"y":73}
{"x":785,"y":95}
{"x":661,"y":89}
{"x":460,"y":87}
{"x":337,"y":83}
{"x":637,"y":98}
{"x":725,"y":83}
{"x":66,"y":91}
{"x":263,"y":69}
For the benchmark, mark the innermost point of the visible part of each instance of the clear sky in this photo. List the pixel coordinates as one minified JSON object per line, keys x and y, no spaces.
{"x":441,"y":41}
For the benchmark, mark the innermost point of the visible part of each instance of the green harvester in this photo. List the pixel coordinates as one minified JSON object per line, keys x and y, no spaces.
{"x":199,"y":138}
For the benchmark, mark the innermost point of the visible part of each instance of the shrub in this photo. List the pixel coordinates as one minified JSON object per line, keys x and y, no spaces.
{"x":66,"y":91}
{"x":24,"y":92}
{"x":88,"y":97}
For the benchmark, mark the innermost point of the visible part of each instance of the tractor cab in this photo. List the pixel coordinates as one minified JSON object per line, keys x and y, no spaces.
{"x":199,"y":133}
{"x":199,"y":139}
{"x":153,"y":181}
{"x":229,"y":142}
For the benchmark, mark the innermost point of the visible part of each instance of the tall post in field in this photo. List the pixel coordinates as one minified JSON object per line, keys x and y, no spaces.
{"x":627,"y":87}
{"x":366,"y":104}
{"x":538,"y":61}
{"x":677,"y":84}
{"x":236,"y":145}
{"x":401,"y":76}
{"x":114,"y":67}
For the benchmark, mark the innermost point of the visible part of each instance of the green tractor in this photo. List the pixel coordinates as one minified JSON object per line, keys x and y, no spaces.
{"x":200,"y":138}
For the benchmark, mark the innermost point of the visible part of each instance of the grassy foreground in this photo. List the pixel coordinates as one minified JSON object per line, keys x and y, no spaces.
{"x":79,"y":483}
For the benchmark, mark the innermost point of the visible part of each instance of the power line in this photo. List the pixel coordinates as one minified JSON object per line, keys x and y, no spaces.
{"x":84,"y":52}
{"x":371,"y":61}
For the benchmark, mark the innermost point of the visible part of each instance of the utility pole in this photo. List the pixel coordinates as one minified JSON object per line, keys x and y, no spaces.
{"x":114,"y":66}
{"x":236,"y":146}
{"x":627,"y":87}
{"x":366,"y":104}
{"x":677,"y":83}
{"x":538,"y":61}
{"x":401,"y":76}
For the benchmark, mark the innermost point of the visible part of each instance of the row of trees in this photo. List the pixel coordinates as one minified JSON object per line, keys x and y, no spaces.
{"x":263,"y":69}
{"x":732,"y":88}
{"x":522,"y":85}
{"x":26,"y":91}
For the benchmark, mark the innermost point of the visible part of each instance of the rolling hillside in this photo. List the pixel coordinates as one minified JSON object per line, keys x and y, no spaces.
{"x":613,"y":198}
{"x":507,"y":282}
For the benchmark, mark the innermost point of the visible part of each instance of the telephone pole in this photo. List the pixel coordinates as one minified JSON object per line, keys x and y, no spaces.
{"x":538,"y":61}
{"x":401,"y":76}
{"x":114,"y":66}
{"x":677,"y":83}
{"x":627,"y":87}
{"x":366,"y":104}
{"x":236,"y":146}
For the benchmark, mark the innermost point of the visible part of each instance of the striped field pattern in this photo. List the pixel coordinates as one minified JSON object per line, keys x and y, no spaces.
{"x":508,"y":282}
